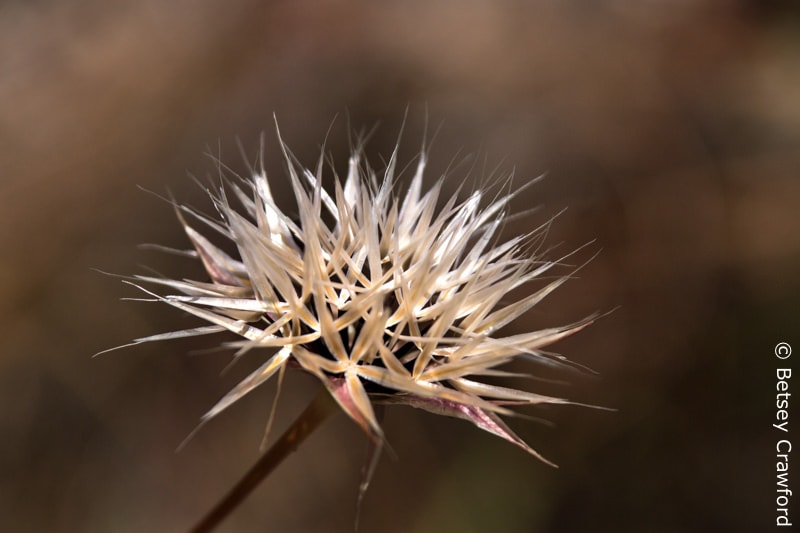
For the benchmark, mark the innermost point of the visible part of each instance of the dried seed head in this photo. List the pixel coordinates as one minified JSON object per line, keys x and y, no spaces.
{"x":391,"y":301}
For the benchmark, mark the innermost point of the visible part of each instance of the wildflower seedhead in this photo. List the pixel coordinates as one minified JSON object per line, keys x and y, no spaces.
{"x":381,"y":295}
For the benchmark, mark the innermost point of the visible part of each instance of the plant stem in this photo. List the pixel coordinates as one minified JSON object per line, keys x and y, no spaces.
{"x":320,"y":408}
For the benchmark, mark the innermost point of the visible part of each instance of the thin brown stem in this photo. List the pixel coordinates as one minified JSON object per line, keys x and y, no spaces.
{"x":314,"y":415}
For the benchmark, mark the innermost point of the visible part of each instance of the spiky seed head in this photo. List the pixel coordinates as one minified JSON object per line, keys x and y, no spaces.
{"x":390,"y":301}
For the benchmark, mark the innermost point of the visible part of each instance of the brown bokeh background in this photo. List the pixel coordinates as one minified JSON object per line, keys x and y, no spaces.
{"x":670,"y":131}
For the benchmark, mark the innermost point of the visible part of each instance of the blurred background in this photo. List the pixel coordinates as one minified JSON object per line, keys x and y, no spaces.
{"x":670,"y":130}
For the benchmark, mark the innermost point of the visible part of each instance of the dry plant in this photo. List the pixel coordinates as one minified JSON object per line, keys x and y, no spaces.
{"x":386,"y":296}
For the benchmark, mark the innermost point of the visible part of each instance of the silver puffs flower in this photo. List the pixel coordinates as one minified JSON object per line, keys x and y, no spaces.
{"x":383,"y":296}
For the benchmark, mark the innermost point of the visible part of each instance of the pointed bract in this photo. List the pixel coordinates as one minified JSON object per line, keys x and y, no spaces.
{"x":376,"y":292}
